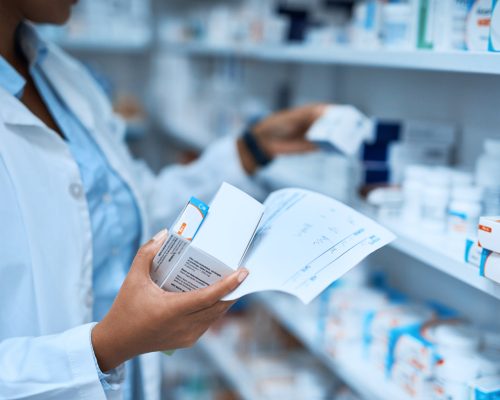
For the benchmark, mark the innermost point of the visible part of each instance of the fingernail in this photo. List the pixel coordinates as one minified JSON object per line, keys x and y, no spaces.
{"x":242,"y":275}
{"x":160,"y":236}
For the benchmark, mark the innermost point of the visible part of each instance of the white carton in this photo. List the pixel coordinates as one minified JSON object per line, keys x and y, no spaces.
{"x":489,"y":233}
{"x":490,"y":265}
{"x":342,"y":127}
{"x":218,"y":247}
{"x":473,"y":252}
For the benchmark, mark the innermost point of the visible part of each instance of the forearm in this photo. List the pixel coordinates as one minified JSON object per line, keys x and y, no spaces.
{"x":167,"y":193}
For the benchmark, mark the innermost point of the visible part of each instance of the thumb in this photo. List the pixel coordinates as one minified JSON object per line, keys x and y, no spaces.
{"x":148,"y":251}
{"x":204,"y":298}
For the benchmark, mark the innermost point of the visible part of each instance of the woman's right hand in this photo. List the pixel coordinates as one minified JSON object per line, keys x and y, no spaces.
{"x":145,"y":318}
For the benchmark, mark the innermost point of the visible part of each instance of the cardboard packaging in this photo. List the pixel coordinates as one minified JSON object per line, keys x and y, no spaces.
{"x":489,"y":233}
{"x":490,"y":265}
{"x":218,"y":248}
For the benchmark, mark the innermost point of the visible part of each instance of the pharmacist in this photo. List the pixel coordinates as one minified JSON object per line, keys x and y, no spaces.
{"x":74,"y":208}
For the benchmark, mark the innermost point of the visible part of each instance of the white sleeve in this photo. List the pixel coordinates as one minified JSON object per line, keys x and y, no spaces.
{"x":167,"y":193}
{"x":56,"y":367}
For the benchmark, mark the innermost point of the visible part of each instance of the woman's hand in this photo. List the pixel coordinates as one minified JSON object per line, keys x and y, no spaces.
{"x":145,"y":318}
{"x":282,"y":133}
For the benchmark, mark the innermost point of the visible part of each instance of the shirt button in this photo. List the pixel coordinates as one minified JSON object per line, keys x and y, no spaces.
{"x":76,"y":190}
{"x":115,"y":251}
{"x":106,"y":198}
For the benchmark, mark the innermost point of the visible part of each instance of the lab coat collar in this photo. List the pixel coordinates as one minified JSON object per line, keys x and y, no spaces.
{"x":14,"y":112}
{"x":69,"y":80}
{"x":33,"y":48}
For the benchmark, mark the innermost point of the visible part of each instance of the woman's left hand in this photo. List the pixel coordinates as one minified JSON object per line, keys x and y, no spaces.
{"x":282,"y":133}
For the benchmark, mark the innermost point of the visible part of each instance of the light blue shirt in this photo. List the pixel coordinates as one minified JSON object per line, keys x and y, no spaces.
{"x":114,"y":216}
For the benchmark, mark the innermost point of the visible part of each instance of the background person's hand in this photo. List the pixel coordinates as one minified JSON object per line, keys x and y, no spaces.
{"x":145,"y":318}
{"x":282,"y":133}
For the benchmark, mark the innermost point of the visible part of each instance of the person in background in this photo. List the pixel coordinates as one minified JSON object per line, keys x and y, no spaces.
{"x":76,"y":321}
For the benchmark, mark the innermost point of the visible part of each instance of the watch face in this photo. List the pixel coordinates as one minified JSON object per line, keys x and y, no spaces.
{"x":495,"y":27}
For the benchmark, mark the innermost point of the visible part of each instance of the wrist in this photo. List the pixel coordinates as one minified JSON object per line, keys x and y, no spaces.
{"x":247,"y":161}
{"x":106,"y":348}
{"x":252,"y":152}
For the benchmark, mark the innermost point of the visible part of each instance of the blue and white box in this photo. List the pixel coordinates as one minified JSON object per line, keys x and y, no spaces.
{"x":494,"y":43}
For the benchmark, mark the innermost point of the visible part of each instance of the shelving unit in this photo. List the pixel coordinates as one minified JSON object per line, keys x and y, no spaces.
{"x":229,"y":365}
{"x":451,"y":61}
{"x":109,"y":46}
{"x":435,"y":251}
{"x":356,"y":373}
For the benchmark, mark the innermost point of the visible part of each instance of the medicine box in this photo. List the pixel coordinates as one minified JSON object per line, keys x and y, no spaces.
{"x":218,"y":248}
{"x":490,"y":265}
{"x":485,"y":388}
{"x":489,"y":233}
{"x":473,"y":252}
{"x":494,"y":42}
{"x":190,"y":220}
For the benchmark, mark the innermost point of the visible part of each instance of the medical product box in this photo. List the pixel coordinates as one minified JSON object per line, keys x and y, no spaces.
{"x":489,"y":233}
{"x":342,"y":128}
{"x":494,"y":42}
{"x":485,"y":388}
{"x":190,"y":220}
{"x":490,"y":265}
{"x":217,"y":249}
{"x":473,"y":252}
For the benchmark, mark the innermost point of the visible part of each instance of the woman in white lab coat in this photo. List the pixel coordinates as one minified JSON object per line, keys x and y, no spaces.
{"x":49,"y":345}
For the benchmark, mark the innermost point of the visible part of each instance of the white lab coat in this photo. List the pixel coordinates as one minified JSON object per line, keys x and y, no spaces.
{"x":46,"y":238}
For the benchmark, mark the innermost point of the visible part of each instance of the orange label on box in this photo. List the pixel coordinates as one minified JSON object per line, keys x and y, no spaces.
{"x":485,"y":228}
{"x":181,"y":229}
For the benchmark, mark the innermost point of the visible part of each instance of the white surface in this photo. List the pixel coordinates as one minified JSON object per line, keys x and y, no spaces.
{"x":356,"y":373}
{"x":453,"y":61}
{"x":229,"y":226}
{"x":305,"y":242}
{"x":435,"y":250}
{"x":342,"y":126}
{"x":229,"y":365}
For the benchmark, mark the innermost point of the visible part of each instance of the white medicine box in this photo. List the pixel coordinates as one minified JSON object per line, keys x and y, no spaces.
{"x":489,"y":233}
{"x":218,"y":248}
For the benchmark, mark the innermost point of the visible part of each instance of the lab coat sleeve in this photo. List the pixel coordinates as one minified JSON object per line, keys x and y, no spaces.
{"x":59,"y":366}
{"x":168,"y":192}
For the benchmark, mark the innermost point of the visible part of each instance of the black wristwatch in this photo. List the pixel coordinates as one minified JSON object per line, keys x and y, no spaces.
{"x":259,"y":155}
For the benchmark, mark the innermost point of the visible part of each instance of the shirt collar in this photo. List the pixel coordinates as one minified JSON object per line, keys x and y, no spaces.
{"x":35,"y":51}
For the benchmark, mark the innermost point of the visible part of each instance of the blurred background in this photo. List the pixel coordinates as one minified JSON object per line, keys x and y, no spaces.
{"x":186,"y":72}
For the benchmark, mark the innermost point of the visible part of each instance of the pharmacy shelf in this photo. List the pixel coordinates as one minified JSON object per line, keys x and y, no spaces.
{"x":356,"y":373}
{"x":105,"y":46}
{"x":435,"y":251}
{"x":451,"y":61}
{"x":229,"y":365}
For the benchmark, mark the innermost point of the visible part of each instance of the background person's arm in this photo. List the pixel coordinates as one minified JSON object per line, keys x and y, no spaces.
{"x":227,"y":160}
